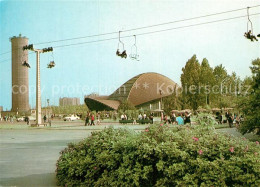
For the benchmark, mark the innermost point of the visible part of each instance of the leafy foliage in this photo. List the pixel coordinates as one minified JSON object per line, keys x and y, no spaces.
{"x":173,"y":101}
{"x":126,"y":105}
{"x":191,"y":78}
{"x":207,"y":80}
{"x":73,"y":109}
{"x":160,"y":156}
{"x":251,"y":104}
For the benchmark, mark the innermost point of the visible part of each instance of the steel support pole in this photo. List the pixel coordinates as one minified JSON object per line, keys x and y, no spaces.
{"x":38,"y":90}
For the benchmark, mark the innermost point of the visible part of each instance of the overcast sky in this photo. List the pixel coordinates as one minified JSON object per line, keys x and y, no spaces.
{"x":94,"y":67}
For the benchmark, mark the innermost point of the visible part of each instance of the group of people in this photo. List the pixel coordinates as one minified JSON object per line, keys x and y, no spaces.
{"x":90,"y":118}
{"x":230,"y":118}
{"x":179,"y":118}
{"x":7,"y":118}
{"x":144,"y":116}
{"x":140,"y":119}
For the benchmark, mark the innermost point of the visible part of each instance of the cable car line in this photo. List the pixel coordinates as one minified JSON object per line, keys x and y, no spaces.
{"x":152,"y":32}
{"x":158,"y":31}
{"x":139,"y":28}
{"x":149,"y":26}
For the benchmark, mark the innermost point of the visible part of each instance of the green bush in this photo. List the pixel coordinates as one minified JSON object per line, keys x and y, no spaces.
{"x":161,"y":155}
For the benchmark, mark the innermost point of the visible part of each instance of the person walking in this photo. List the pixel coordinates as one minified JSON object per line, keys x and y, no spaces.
{"x":49,"y":121}
{"x":230,"y":119}
{"x":98,"y":118}
{"x":87,"y":120}
{"x":92,"y":120}
{"x":151,"y":118}
{"x":27,"y":120}
{"x":44,"y":118}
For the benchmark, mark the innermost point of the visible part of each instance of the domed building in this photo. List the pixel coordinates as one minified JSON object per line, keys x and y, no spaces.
{"x":143,"y":91}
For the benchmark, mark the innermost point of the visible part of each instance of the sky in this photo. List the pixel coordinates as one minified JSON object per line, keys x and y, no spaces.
{"x":94,"y":67}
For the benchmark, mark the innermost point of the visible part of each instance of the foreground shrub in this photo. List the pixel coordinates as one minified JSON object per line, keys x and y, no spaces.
{"x":160,"y":156}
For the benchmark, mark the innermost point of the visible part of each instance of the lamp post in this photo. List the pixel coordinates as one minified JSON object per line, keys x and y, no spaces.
{"x":38,"y":79}
{"x":48,"y":101}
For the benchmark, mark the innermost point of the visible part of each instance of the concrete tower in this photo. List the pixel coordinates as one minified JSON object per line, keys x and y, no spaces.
{"x":20,"y":88}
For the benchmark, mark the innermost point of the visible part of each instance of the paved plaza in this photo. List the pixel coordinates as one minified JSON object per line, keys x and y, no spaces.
{"x":28,"y":154}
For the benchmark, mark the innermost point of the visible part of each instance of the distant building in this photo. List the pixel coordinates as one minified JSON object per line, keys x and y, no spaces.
{"x":1,"y":108}
{"x":69,"y":101}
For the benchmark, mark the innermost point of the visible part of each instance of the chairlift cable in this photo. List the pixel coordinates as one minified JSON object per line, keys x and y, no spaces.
{"x":158,"y":31}
{"x":152,"y":32}
{"x":149,"y":26}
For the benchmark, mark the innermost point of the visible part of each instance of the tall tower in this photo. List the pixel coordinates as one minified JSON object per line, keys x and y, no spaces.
{"x":20,"y":88}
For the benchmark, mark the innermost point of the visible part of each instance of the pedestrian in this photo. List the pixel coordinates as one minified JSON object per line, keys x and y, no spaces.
{"x":230,"y":119}
{"x":165,"y":119}
{"x":92,"y":120}
{"x":44,"y":118}
{"x":122,"y":117}
{"x":87,"y":120}
{"x":27,"y":120}
{"x":98,"y":118}
{"x":49,"y":121}
{"x":151,"y":118}
{"x":179,"y":120}
{"x":173,"y":118}
{"x":187,"y":117}
{"x":237,"y":121}
{"x":140,"y":116}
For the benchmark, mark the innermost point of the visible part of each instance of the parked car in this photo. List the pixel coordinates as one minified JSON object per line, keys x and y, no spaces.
{"x":71,"y":118}
{"x":20,"y":119}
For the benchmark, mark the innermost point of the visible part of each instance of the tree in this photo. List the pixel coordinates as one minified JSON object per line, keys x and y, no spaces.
{"x":190,"y":79}
{"x":70,"y":109}
{"x":172,"y":101}
{"x":207,"y":80}
{"x":251,"y":103}
{"x":220,"y":74}
{"x":126,"y":105}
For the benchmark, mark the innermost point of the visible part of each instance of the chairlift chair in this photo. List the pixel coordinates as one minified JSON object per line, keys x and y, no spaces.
{"x":249,"y":34}
{"x":120,"y":43}
{"x":51,"y":64}
{"x":134,"y":55}
{"x":26,"y":64}
{"x":124,"y":55}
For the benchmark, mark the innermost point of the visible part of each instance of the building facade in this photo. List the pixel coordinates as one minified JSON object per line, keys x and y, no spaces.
{"x":69,"y":101}
{"x":20,"y":82}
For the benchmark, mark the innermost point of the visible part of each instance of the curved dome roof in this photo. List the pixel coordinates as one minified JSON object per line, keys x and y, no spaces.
{"x":144,"y":88}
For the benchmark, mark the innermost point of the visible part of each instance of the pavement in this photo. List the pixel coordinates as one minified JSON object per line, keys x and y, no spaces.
{"x":28,"y":154}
